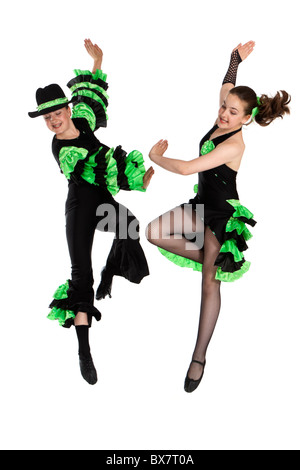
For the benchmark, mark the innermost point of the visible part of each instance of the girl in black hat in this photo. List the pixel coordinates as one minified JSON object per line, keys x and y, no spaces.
{"x":95,"y":174}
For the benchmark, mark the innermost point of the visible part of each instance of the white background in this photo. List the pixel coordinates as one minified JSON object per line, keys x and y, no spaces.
{"x":165,"y":61}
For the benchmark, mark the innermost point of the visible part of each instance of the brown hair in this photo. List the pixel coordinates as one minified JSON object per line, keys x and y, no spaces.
{"x":269,"y":108}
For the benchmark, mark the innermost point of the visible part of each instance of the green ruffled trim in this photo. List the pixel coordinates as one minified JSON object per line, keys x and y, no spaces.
{"x":111,"y":175}
{"x":231,"y":247}
{"x":90,"y":94}
{"x":88,"y":172}
{"x":62,"y":291}
{"x":57,"y":313}
{"x":92,"y":86}
{"x":83,"y":110}
{"x":60,"y":315}
{"x":181,"y":261}
{"x":68,"y":158}
{"x":207,"y":147}
{"x":220,"y":275}
{"x":240,"y":211}
{"x":135,"y":170}
{"x":240,"y":227}
{"x":95,"y":76}
{"x":230,"y":277}
{"x":233,"y":223}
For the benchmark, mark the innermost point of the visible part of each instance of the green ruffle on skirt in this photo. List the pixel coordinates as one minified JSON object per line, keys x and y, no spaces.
{"x":230,"y":277}
{"x":57,"y":313}
{"x":236,"y":223}
{"x":181,"y":260}
{"x":135,"y":170}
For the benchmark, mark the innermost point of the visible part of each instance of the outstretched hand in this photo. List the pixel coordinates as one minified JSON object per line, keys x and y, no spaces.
{"x":158,"y":149}
{"x":95,"y":52}
{"x":245,"y":49}
{"x":147,"y":177}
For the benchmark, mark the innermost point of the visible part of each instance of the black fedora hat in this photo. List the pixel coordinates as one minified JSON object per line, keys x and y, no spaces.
{"x":49,"y":99}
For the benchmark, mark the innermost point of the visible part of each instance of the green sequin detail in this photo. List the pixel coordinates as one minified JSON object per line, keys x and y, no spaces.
{"x":207,"y":147}
{"x":51,"y":104}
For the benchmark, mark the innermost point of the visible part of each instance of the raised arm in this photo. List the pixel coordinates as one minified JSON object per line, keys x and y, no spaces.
{"x":239,"y":54}
{"x":89,"y":90}
{"x":96,"y":53}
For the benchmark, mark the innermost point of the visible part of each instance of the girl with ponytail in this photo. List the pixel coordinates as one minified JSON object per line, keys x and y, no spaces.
{"x":213,"y":241}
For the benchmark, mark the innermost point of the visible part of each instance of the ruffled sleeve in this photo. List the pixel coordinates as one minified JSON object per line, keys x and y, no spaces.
{"x":89,"y":97}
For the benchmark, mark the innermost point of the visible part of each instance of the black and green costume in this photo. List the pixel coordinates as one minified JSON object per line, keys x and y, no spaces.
{"x":95,"y":174}
{"x":223,"y":213}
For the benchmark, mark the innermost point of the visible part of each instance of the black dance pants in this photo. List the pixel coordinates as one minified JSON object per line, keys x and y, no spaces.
{"x":90,"y":208}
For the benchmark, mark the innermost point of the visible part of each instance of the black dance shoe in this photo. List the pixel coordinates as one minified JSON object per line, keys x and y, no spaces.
{"x":88,"y":370}
{"x":190,"y":384}
{"x":105,"y":285}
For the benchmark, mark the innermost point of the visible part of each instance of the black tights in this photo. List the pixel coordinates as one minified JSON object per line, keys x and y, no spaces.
{"x":171,"y":232}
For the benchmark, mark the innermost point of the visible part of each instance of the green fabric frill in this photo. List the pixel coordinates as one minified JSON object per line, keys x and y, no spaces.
{"x":69,"y":157}
{"x":229,"y":246}
{"x":135,"y":170}
{"x":57,"y":313}
{"x":181,"y":260}
{"x":111,"y":175}
{"x":89,"y":97}
{"x":83,"y":110}
{"x":99,"y":74}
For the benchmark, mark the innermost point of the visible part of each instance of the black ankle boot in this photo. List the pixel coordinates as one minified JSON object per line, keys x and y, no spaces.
{"x":105,"y":285}
{"x":88,"y":370}
{"x":190,"y":384}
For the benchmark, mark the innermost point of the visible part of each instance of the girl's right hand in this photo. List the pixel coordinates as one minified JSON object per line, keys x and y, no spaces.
{"x":95,"y":52}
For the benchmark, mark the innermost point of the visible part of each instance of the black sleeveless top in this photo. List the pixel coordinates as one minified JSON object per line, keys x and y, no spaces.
{"x":218,"y":184}
{"x":223,"y":214}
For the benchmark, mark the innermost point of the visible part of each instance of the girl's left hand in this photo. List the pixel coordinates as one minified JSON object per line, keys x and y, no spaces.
{"x":147,"y":177}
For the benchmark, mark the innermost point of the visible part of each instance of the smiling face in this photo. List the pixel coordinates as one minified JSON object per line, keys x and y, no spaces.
{"x":231,"y":115}
{"x":59,"y":121}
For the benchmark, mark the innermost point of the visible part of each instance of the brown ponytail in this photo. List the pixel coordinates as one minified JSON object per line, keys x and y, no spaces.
{"x":268,"y":108}
{"x":272,"y":108}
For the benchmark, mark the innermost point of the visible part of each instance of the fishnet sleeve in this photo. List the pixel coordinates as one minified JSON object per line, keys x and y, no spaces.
{"x":230,"y":76}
